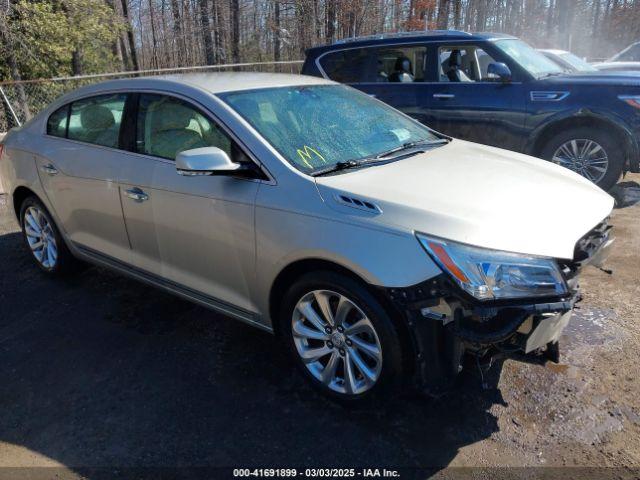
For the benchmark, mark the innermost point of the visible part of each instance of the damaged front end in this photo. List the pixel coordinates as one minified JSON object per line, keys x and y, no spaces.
{"x":446,"y":321}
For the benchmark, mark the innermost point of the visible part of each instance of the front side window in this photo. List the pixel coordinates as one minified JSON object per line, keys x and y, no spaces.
{"x":464,"y":64}
{"x":57,"y":122}
{"x":315,"y":127}
{"x":529,"y":58}
{"x":167,"y":126}
{"x":400,"y":64}
{"x":97,"y":120}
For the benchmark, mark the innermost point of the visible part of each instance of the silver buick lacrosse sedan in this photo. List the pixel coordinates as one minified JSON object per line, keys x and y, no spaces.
{"x":377,"y":249}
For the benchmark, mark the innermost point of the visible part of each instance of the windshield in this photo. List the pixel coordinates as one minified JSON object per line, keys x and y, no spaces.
{"x":316,"y":127}
{"x":528,"y":58}
{"x":577,"y":63}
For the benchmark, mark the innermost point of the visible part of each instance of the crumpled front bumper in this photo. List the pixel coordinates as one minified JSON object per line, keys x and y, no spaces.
{"x":438,"y":309}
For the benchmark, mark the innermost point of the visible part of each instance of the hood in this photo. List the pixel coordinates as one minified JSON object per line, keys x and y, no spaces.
{"x":477,"y":195}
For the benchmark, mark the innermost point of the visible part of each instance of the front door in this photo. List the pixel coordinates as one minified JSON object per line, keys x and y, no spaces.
{"x":79,"y":171}
{"x":196,"y":231}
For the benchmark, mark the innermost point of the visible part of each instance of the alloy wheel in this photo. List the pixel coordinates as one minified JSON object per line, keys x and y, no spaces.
{"x":583,"y":156}
{"x":337,"y":342}
{"x":40,"y":237}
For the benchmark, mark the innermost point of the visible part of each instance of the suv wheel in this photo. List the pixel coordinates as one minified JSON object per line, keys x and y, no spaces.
{"x":340,"y":336}
{"x":43,"y":238}
{"x":594,"y":155}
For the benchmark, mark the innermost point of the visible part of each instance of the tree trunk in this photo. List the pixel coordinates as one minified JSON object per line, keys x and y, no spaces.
{"x":206,"y":32}
{"x":443,"y":14}
{"x":276,"y":36}
{"x":177,"y":32}
{"x":130,"y":38}
{"x":154,"y":40}
{"x":457,"y":14}
{"x":235,"y":31}
{"x":76,"y":61}
{"x":330,"y":29}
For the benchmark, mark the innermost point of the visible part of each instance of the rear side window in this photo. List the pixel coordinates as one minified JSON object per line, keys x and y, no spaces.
{"x":57,"y":123}
{"x":167,"y":126}
{"x":400,"y":63}
{"x":97,"y":120}
{"x":349,"y":66}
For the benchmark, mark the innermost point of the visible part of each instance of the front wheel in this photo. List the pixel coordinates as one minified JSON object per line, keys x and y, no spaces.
{"x":597,"y":156}
{"x":341,"y":337}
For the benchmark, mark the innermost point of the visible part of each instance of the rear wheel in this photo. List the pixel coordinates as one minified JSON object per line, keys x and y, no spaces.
{"x":595,"y":155}
{"x":43,"y":238}
{"x":341,"y":337}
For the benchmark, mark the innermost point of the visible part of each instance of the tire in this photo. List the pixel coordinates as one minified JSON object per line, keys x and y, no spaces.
{"x":581,"y":135}
{"x":380,"y":333}
{"x":57,"y":259}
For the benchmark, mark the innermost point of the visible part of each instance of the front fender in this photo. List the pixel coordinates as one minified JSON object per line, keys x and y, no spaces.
{"x":379,"y":257}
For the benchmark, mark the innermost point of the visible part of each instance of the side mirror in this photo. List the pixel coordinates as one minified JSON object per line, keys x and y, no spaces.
{"x":205,"y":161}
{"x":499,"y":71}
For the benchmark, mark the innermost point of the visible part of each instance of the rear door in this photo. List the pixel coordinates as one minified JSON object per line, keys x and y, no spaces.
{"x":79,"y":170}
{"x":467,"y":104}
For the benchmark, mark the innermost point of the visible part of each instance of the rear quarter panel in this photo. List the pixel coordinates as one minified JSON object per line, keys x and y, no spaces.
{"x":18,"y":165}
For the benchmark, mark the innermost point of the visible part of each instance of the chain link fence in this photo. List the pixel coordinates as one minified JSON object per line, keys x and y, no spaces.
{"x":22,"y":100}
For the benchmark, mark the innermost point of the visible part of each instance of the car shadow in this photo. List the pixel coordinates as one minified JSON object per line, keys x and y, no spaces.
{"x":101,"y":371}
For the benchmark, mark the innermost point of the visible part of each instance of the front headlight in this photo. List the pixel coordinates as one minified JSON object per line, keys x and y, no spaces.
{"x":495,"y":275}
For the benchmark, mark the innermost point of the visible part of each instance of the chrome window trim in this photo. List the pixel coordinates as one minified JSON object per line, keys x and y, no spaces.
{"x":427,"y":42}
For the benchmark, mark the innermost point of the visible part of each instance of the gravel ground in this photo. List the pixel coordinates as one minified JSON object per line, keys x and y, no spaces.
{"x":101,"y":371}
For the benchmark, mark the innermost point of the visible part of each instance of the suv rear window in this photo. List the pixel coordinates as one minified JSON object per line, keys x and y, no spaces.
{"x":347,"y":66}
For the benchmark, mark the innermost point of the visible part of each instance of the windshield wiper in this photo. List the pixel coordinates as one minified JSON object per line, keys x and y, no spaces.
{"x":374,"y":159}
{"x":410,"y":145}
{"x":346,"y":165}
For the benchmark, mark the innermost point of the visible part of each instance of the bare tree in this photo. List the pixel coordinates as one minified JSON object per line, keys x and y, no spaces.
{"x":132,"y":44}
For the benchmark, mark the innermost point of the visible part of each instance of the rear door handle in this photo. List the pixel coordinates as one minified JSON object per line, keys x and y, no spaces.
{"x":136,"y":194}
{"x":49,"y":169}
{"x":444,"y":96}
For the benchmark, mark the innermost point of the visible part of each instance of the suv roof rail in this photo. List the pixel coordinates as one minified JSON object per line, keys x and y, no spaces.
{"x":415,"y":33}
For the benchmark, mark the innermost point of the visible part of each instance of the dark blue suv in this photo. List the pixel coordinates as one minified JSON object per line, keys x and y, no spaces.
{"x":497,"y":90}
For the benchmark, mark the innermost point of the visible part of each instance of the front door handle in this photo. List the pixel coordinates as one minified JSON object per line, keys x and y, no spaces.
{"x":136,"y":194}
{"x":49,"y":169}
{"x":444,"y":96}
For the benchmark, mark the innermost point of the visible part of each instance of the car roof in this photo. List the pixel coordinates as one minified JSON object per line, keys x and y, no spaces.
{"x":214,"y":83}
{"x":234,"y":81}
{"x":404,"y":37}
